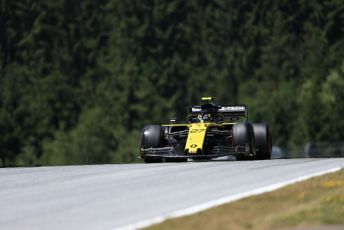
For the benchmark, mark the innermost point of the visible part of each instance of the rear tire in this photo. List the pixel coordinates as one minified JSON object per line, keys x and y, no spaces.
{"x":263,"y":140}
{"x":242,"y":134}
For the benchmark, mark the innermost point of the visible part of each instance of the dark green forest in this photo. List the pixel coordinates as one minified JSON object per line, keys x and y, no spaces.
{"x":79,"y":79}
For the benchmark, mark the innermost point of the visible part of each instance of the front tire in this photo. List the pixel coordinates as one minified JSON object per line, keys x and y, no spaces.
{"x":151,"y":137}
{"x":242,"y":134}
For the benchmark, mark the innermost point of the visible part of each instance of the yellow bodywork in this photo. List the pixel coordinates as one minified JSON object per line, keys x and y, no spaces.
{"x":196,"y":137}
{"x":206,"y":99}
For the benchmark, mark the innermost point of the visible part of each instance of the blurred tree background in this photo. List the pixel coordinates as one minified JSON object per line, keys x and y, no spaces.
{"x":79,"y":79}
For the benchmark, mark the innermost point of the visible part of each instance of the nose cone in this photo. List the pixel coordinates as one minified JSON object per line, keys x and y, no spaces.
{"x":195,"y":140}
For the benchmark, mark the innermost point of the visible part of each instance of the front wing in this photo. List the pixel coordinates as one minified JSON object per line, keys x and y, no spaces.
{"x":217,"y":151}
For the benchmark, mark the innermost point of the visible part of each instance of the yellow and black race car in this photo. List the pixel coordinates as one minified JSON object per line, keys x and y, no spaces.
{"x":211,"y":131}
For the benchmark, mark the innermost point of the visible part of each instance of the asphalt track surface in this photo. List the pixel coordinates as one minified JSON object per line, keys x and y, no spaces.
{"x":113,"y":196}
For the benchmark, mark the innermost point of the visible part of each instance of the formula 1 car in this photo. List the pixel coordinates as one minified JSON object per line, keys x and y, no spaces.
{"x":211,"y":131}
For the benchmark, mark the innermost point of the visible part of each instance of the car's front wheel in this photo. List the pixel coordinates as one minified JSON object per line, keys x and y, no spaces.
{"x":151,"y":137}
{"x":242,"y":135}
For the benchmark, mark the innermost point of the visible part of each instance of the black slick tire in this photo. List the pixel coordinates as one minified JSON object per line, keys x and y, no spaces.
{"x":263,"y":141}
{"x":242,"y":134}
{"x":151,"y":137}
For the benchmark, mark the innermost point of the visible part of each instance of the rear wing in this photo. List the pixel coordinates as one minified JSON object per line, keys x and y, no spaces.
{"x":227,"y":111}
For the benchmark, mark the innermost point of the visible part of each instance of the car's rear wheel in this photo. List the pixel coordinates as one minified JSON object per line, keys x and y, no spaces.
{"x":263,"y":141}
{"x":242,"y":135}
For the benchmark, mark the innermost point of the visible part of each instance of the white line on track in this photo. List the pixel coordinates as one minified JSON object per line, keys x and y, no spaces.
{"x":217,"y":202}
